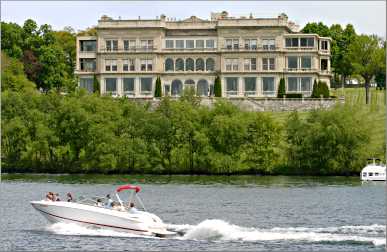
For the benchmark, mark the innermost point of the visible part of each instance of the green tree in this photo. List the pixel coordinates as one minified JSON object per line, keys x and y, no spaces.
{"x":12,"y":39}
{"x":158,"y":87}
{"x":281,"y":88}
{"x":96,"y":85}
{"x":315,"y":91}
{"x":366,"y":57}
{"x":317,"y":28}
{"x":217,"y":87}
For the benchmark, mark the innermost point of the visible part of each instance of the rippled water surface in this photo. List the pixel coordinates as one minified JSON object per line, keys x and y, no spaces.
{"x":286,"y":214}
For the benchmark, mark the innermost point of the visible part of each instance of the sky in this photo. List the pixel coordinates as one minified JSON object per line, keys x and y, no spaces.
{"x":368,"y":17}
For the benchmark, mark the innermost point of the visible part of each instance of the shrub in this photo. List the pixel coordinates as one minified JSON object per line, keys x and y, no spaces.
{"x":217,"y":87}
{"x":95,"y":85}
{"x":294,"y":95}
{"x":320,"y":88}
{"x":281,"y":88}
{"x":158,"y":88}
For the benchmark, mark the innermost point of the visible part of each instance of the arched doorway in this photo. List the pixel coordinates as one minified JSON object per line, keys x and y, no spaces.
{"x":177,"y":88}
{"x":202,"y":89}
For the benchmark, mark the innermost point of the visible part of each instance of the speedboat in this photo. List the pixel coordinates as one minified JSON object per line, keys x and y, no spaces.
{"x":94,"y":212}
{"x":374,"y":171}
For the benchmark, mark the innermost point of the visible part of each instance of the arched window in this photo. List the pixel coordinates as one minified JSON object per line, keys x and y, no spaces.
{"x":202,"y":88}
{"x":179,"y":65}
{"x":189,"y":64}
{"x":177,"y":87}
{"x":199,"y":64}
{"x":210,"y":64}
{"x":189,"y":82}
{"x":169,"y":66}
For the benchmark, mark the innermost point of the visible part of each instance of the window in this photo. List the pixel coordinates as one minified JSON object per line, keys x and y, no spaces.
{"x":376,"y":173}
{"x":232,"y":64}
{"x":268,"y":44}
{"x":125,"y":65}
{"x":128,"y":65}
{"x":179,"y":65}
{"x":324,"y":64}
{"x":307,"y":42}
{"x":210,"y":64}
{"x":292,"y":62}
{"x":324,"y":45}
{"x":112,"y":45}
{"x":292,"y":84}
{"x":268,"y":64}
{"x":250,"y":64}
{"x":250,"y":44}
{"x":129,"y":44}
{"x":232,"y":43}
{"x":168,"y":43}
{"x":128,"y":86}
{"x":291,"y":42}
{"x":180,"y":44}
{"x":167,"y":89}
{"x":169,"y":65}
{"x":268,"y":85}
{"x":110,"y":65}
{"x":86,"y":83}
{"x":229,"y":43}
{"x":146,"y":65}
{"x":88,"y":45}
{"x":146,"y":86}
{"x":210,"y":43}
{"x":147,"y":44}
{"x":232,"y":85}
{"x":364,"y":174}
{"x":190,"y":44}
{"x":189,"y":64}
{"x":250,"y":85}
{"x":202,"y":89}
{"x":177,"y":87}
{"x":306,"y":84}
{"x":370,"y":174}
{"x":199,"y":64}
{"x":88,"y":65}
{"x":111,"y":85}
{"x":200,"y":43}
{"x":306,"y":62}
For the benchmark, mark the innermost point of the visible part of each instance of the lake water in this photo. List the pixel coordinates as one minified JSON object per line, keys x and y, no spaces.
{"x":259,"y":214}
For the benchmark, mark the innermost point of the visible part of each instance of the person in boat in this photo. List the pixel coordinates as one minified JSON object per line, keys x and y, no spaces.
{"x":49,"y":196}
{"x":109,"y":201}
{"x":132,"y":209}
{"x":69,"y":197}
{"x":57,"y":197}
{"x":99,"y":203}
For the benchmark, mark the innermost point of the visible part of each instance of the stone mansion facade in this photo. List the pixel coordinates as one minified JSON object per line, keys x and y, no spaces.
{"x":250,"y":55}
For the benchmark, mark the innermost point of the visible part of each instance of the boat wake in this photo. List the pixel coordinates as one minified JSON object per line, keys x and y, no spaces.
{"x":219,"y":230}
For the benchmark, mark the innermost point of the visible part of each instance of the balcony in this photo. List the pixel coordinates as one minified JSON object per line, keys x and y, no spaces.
{"x":300,"y":49}
{"x":308,"y":70}
{"x":190,"y":50}
{"x":128,"y":50}
{"x":251,"y":49}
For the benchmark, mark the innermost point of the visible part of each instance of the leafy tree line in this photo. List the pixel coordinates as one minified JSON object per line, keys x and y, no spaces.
{"x":80,"y":133}
{"x":353,"y":54}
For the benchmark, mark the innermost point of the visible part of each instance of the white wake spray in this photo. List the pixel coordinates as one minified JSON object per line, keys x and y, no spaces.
{"x":219,"y":230}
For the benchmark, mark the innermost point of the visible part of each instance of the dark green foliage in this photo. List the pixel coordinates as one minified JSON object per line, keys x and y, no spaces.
{"x":327,"y":142}
{"x":158,"y":87}
{"x":320,"y":88}
{"x":294,"y":95}
{"x":281,"y":88}
{"x":96,"y":85}
{"x":217,"y":87}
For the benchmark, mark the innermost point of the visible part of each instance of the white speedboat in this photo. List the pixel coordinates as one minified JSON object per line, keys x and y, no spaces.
{"x":92,"y":212}
{"x":374,"y":171}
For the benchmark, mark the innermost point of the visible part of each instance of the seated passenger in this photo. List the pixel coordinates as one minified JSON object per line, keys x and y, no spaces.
{"x":69,"y":197}
{"x":109,"y":202}
{"x":132,"y":209}
{"x":99,"y":203}
{"x":49,"y":196}
{"x":57,"y":197}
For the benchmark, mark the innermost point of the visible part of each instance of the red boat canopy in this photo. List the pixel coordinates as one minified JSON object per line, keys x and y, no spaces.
{"x":128,"y":187}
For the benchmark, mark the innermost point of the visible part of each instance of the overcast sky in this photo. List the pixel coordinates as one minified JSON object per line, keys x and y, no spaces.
{"x":367,"y":16}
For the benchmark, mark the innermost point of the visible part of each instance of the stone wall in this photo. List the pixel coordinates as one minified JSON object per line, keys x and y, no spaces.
{"x":269,"y":104}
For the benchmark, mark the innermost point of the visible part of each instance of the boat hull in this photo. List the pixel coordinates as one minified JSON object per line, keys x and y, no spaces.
{"x":93,"y":216}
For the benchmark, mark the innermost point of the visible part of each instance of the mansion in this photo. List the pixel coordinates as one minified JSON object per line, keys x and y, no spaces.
{"x":250,"y":55}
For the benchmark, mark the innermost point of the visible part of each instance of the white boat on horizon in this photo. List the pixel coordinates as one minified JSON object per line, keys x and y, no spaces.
{"x":88,"y":212}
{"x":374,"y":171}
